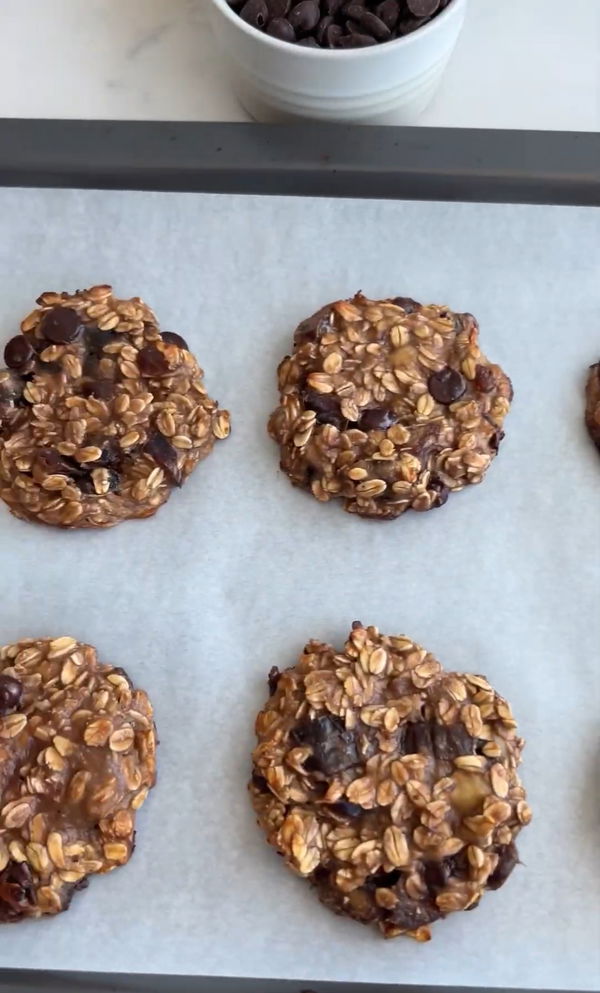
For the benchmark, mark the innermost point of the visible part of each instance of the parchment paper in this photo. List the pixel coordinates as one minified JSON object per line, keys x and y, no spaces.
{"x":240,"y":569}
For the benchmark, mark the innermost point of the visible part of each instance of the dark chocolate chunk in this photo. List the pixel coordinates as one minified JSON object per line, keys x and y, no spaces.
{"x":377,"y":419}
{"x":152,"y":362}
{"x":260,"y":782}
{"x":334,"y":747}
{"x":16,"y":891}
{"x":407,"y":303}
{"x":165,"y":456}
{"x":171,"y":338}
{"x":447,"y":385}
{"x":19,"y":354}
{"x":273,"y":678}
{"x":102,"y":389}
{"x":61,"y":325}
{"x":346,"y":809}
{"x":326,"y":407}
{"x":445,"y":742}
{"x":384,"y":879}
{"x":411,"y":914}
{"x":11,"y":691}
{"x":508,"y":859}
{"x":496,"y":440}
{"x":440,"y":489}
{"x":52,"y":462}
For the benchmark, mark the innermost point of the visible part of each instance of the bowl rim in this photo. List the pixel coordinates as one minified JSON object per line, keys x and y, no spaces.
{"x":371,"y":51}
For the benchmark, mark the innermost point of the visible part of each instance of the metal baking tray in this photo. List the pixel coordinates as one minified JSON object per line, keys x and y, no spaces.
{"x":306,"y":161}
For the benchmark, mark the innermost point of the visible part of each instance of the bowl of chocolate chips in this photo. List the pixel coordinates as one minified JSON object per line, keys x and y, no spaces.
{"x":352,"y":61}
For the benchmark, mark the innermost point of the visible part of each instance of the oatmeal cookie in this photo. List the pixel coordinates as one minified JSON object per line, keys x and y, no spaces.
{"x":388,"y":783}
{"x":388,"y":405}
{"x":592,"y":407}
{"x":101,"y":413}
{"x":77,"y":746}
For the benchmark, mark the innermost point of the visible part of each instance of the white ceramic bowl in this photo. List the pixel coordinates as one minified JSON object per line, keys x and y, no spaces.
{"x":391,"y":83}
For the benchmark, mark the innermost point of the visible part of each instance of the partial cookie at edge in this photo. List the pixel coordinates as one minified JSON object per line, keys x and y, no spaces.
{"x":77,"y":758}
{"x":592,"y":404}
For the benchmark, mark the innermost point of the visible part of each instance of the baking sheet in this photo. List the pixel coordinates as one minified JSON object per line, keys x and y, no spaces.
{"x":240,"y":569}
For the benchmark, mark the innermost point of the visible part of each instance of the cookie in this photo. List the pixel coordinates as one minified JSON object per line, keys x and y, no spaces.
{"x":388,"y":783}
{"x":388,"y":406}
{"x":592,"y":405}
{"x":101,"y":413}
{"x":77,"y":746}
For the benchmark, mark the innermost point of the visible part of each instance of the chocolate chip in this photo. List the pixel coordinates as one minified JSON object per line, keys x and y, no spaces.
{"x":440,"y":489}
{"x":484,"y":379}
{"x":336,"y":23}
{"x":436,"y":875}
{"x":304,"y":16}
{"x":281,"y":28}
{"x":369,"y":21}
{"x":346,"y":809}
{"x":256,"y":13}
{"x":165,"y":456}
{"x":151,"y":362}
{"x":508,"y":859}
{"x":423,"y":8}
{"x":61,"y":325}
{"x":11,"y":691}
{"x":407,"y":303}
{"x":171,"y":338}
{"x":313,"y":327}
{"x":260,"y":782}
{"x":377,"y":419}
{"x":273,"y":678}
{"x":326,"y":407}
{"x":495,"y":440}
{"x":18,"y":354}
{"x":384,"y":879}
{"x":51,"y":462}
{"x":16,"y":890}
{"x":447,"y":385}
{"x":355,"y":40}
{"x":389,"y":11}
{"x":334,"y":747}
{"x":102,"y":389}
{"x":11,"y":388}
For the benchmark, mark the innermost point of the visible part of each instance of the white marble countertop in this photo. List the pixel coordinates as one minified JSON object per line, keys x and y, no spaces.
{"x":531,"y":64}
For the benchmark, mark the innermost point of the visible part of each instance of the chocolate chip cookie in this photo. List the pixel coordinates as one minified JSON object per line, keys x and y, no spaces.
{"x":388,"y":783}
{"x":77,"y":746}
{"x":592,"y":406}
{"x":388,"y":406}
{"x":101,"y":413}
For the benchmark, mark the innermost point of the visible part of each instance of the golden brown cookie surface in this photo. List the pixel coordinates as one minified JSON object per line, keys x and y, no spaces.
{"x":101,"y":413}
{"x":388,"y":405}
{"x":388,"y":783}
{"x":77,"y":758}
